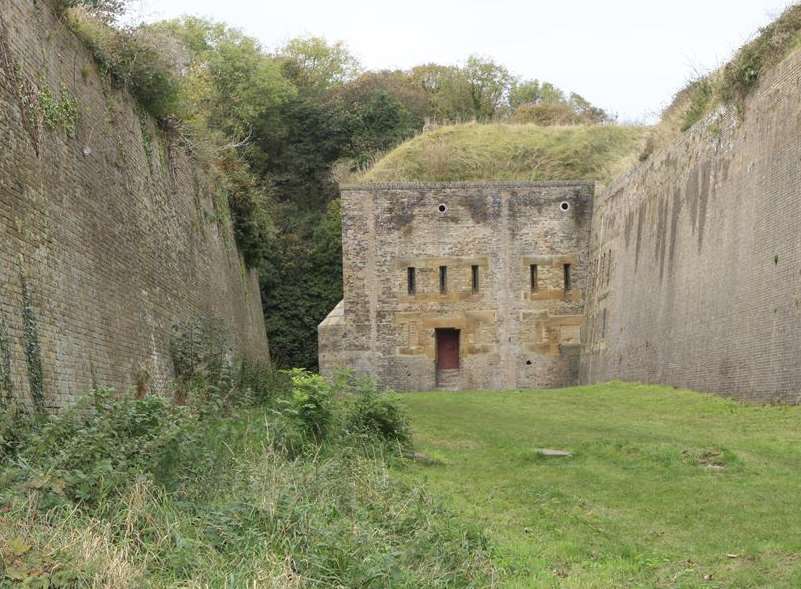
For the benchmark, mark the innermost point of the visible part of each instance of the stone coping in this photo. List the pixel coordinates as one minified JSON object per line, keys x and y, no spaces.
{"x":456,"y":185}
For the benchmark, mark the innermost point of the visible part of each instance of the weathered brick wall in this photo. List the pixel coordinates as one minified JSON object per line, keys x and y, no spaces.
{"x":697,"y":257}
{"x":107,"y":239}
{"x":510,"y":337}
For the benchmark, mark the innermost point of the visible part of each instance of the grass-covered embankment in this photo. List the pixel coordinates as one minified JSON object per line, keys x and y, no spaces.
{"x":666,"y":488}
{"x":512,"y":152}
{"x":265,"y":483}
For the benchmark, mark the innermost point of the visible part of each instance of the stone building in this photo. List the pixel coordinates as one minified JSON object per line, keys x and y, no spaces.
{"x":690,"y":275}
{"x":461,"y":286}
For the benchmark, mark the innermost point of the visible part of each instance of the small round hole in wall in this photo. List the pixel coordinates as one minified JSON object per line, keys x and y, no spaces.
{"x":528,"y":362}
{"x":565,"y":206}
{"x":442,"y":208}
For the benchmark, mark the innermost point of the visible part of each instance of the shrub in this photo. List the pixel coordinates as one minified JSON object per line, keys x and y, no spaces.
{"x":59,"y":112}
{"x":546,"y":114}
{"x":104,"y":10}
{"x":374,"y":415}
{"x":132,"y":493}
{"x":199,"y":347}
{"x":265,"y":382}
{"x":733,"y":83}
{"x":16,"y":425}
{"x":310,"y":405}
{"x":91,"y":451}
{"x":134,"y":59}
{"x":771,"y":46}
{"x":248,"y":202}
{"x":701,"y":94}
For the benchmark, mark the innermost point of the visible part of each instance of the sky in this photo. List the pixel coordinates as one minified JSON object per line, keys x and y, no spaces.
{"x":626,"y":56}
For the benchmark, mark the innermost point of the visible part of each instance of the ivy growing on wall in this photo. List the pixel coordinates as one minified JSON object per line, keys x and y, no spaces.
{"x":39,"y":106}
{"x":199,"y":347}
{"x":33,"y":351}
{"x":6,"y":385}
{"x":58,"y":112}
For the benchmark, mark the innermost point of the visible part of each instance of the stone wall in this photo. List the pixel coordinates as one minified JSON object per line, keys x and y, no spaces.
{"x":109,"y":238}
{"x":510,"y":336}
{"x":696,"y":257}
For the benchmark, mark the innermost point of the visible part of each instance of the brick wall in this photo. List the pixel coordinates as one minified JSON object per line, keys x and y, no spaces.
{"x":696,"y":257}
{"x":108,"y":239}
{"x":509,"y":335}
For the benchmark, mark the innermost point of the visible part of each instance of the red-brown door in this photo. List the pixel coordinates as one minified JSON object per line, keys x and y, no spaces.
{"x":447,"y":349}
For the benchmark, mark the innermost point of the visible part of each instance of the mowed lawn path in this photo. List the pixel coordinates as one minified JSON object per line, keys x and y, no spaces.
{"x":666,"y":488}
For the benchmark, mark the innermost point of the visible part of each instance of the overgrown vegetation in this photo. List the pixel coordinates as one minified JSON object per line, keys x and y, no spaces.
{"x":33,"y":351}
{"x":772,"y":45}
{"x":59,"y":112}
{"x":665,"y":488}
{"x":510,"y":152}
{"x":149,"y":61}
{"x":6,"y":384}
{"x":731,"y":84}
{"x":251,"y":486}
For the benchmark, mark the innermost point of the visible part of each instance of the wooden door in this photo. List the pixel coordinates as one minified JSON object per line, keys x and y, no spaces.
{"x":447,"y":349}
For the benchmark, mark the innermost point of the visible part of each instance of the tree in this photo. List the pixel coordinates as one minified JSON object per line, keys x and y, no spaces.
{"x":448,"y":91}
{"x":534,"y":92}
{"x":301,"y":282}
{"x":489,"y":85}
{"x":228,"y":80}
{"x":316,"y":65}
{"x":107,"y":11}
{"x":385,"y":108}
{"x":544,"y":104}
{"x":400,"y":85}
{"x":525,"y":92}
{"x":586,"y":111}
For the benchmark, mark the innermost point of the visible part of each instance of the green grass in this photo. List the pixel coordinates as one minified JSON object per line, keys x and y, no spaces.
{"x":475,"y":152}
{"x":667,"y":488}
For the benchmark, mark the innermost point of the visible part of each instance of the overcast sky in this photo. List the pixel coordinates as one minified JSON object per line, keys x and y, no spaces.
{"x":627,"y":56}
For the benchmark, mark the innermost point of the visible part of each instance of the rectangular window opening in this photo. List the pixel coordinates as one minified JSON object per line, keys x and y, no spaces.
{"x":534,"y":278}
{"x":567,"y":277}
{"x":475,"y":279}
{"x":443,"y":279}
{"x":411,"y":281}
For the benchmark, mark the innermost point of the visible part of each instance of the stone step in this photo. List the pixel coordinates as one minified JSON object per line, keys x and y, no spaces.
{"x":449,"y":380}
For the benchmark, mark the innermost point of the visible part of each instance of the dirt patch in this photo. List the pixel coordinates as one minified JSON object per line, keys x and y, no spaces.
{"x":709,"y":458}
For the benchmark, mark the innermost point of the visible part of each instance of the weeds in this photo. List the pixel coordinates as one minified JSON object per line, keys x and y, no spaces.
{"x":700,"y":95}
{"x":772,"y":45}
{"x":125,"y":492}
{"x":733,"y":83}
{"x":132,"y":59}
{"x":59,"y":112}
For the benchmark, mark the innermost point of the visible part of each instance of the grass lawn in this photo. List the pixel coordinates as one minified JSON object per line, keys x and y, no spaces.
{"x":666,"y":488}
